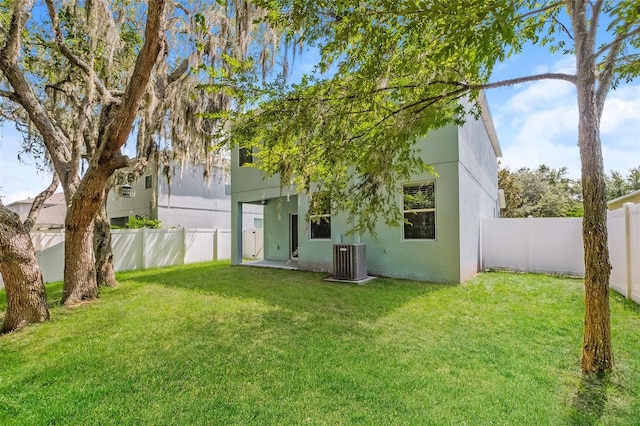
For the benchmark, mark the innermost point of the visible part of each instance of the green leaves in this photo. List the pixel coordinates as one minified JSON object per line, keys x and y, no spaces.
{"x":389,"y":72}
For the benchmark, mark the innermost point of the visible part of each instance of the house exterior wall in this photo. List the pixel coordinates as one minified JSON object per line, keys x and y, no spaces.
{"x":618,"y":203}
{"x":389,"y":254}
{"x":465,"y":162}
{"x":20,"y":207}
{"x":140,"y":204}
{"x":191,"y":201}
{"x":478,"y":192}
{"x":188,"y":200}
{"x":277,"y":214}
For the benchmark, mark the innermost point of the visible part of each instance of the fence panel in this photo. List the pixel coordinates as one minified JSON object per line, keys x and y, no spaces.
{"x":42,"y":240}
{"x":223,"y":244}
{"x":127,"y":247}
{"x":51,"y":263}
{"x":200,"y":245}
{"x":634,"y":252}
{"x":543,"y":245}
{"x":504,"y":244}
{"x":617,"y":250}
{"x":141,"y":249}
{"x":555,"y":245}
{"x":163,"y":247}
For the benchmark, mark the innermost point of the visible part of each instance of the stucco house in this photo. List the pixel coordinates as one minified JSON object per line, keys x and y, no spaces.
{"x":186,"y":199}
{"x":618,"y":203}
{"x":51,"y":215}
{"x":443,"y":245}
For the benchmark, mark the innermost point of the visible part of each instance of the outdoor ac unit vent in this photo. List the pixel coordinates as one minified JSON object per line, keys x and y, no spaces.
{"x":349,"y":262}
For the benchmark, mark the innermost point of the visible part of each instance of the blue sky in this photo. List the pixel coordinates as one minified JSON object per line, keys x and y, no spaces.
{"x":536,"y":124}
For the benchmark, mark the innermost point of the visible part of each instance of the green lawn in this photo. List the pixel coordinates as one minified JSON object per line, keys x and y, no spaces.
{"x":214,"y":344}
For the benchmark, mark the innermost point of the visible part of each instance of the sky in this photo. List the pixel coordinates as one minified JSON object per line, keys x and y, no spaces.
{"x":536,"y":124}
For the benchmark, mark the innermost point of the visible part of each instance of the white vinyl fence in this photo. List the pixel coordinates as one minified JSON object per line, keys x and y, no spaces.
{"x":149,"y":248}
{"x":554,"y":245}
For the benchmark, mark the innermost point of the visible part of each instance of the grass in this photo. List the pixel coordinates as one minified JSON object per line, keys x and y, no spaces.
{"x":214,"y":344}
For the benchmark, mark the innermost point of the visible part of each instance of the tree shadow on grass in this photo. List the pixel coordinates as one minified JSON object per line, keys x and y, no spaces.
{"x":590,"y":400}
{"x":294,"y":290}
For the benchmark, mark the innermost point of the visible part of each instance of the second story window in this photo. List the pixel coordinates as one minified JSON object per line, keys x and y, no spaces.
{"x":148,"y":182}
{"x":245,"y":156}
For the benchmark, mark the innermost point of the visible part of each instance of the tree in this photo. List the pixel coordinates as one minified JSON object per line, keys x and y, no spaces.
{"x":83,"y":83}
{"x":117,"y":112}
{"x":400,"y":69}
{"x":543,"y":192}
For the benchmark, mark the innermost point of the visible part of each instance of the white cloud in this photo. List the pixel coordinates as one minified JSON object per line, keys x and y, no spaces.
{"x":622,"y":110}
{"x":537,"y":124}
{"x":539,"y":95}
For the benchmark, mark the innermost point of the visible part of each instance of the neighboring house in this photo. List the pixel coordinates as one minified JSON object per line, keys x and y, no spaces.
{"x":442,"y":246}
{"x":187,"y":199}
{"x":51,"y":215}
{"x":632,"y":197}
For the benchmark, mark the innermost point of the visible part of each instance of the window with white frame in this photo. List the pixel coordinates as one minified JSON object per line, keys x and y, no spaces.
{"x":419,"y":210}
{"x":320,"y":217}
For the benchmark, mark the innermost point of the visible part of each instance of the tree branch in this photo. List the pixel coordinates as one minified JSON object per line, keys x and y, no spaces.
{"x":620,"y":39}
{"x":9,"y":95}
{"x":464,"y":89}
{"x":606,"y":75}
{"x":461,"y":86}
{"x":72,"y":57}
{"x":541,"y":10}
{"x":120,"y":126}
{"x":36,"y":207}
{"x":53,"y":136}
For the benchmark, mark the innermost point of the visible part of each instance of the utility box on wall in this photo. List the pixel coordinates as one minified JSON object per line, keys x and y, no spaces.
{"x":350,"y":262}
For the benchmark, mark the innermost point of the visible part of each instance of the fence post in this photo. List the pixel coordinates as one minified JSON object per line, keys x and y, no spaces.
{"x":144,"y":248}
{"x":627,"y":247}
{"x":184,"y":244}
{"x":216,"y":244}
{"x":530,"y":245}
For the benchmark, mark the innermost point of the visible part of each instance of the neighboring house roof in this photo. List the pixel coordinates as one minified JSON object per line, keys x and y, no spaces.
{"x":632,"y":197}
{"x":56,"y":198}
{"x":51,"y":215}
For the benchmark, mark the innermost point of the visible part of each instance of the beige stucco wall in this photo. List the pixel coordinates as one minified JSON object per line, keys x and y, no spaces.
{"x":634,"y":197}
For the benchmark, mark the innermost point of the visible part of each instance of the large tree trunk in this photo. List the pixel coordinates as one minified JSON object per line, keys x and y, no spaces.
{"x":80,"y":283}
{"x":80,"y":279}
{"x":596,"y":350}
{"x":597,"y":356}
{"x":26,"y":297}
{"x":105,"y":274}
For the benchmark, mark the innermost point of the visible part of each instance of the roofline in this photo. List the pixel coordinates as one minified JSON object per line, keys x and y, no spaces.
{"x":488,"y":123}
{"x":624,"y":197}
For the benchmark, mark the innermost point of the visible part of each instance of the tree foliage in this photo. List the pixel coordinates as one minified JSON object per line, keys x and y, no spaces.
{"x":541,"y":192}
{"x":618,"y":184}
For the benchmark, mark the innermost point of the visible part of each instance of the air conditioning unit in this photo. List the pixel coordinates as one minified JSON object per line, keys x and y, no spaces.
{"x":349,"y":262}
